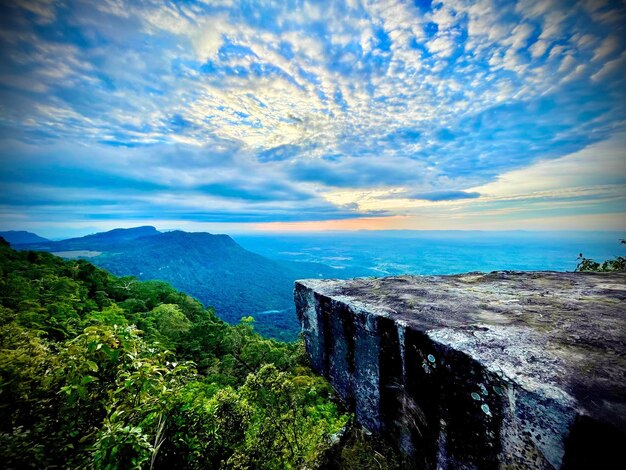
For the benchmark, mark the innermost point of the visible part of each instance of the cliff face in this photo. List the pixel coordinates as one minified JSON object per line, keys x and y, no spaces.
{"x":500,"y":370}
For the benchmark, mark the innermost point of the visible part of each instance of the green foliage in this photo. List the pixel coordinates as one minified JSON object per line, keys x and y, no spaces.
{"x":360,"y":450}
{"x":212,"y":268}
{"x":291,"y":421}
{"x":103,"y":372}
{"x":612,"y":265}
{"x":120,"y":446}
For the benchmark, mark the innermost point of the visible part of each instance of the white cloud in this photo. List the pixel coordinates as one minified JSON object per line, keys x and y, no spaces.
{"x":567,"y":63}
{"x":596,"y":169}
{"x":207,"y":43}
{"x":519,"y":36}
{"x":539,"y":48}
{"x":443,"y":45}
{"x":615,"y":66}
{"x":606,"y":48}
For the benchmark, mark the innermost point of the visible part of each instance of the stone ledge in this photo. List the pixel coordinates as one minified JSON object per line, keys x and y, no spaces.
{"x":505,"y":369}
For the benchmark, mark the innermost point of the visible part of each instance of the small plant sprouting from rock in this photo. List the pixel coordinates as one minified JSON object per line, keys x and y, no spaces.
{"x":612,"y":265}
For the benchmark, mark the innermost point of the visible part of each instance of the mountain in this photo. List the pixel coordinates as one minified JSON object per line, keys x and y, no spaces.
{"x":212,"y":268}
{"x":17,"y":237}
{"x":118,"y":235}
{"x":96,"y":241}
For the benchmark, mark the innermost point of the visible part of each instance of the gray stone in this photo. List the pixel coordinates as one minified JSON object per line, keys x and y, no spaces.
{"x":499,"y":370}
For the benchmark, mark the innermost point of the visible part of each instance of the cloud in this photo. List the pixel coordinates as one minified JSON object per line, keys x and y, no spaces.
{"x":606,"y":48}
{"x":276,"y":106}
{"x":600,"y":168}
{"x":363,"y":171}
{"x":539,"y":48}
{"x":443,"y":45}
{"x":43,"y":10}
{"x":436,"y":196}
{"x":611,"y":68}
{"x":208,"y":43}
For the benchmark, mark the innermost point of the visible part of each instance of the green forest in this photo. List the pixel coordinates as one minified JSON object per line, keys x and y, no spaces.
{"x":99,"y":371}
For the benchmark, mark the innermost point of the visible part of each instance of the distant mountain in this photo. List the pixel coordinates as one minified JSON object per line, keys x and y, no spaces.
{"x":212,"y":268}
{"x":118,"y":235}
{"x":17,"y":237}
{"x":97,"y":241}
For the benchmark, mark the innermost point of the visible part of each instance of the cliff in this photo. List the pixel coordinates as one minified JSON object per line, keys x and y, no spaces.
{"x":500,"y":370}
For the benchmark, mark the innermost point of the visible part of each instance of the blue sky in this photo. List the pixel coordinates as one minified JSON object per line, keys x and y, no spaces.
{"x":256,"y":115}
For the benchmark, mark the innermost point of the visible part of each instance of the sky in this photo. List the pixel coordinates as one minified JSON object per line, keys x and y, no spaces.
{"x":250,"y":116}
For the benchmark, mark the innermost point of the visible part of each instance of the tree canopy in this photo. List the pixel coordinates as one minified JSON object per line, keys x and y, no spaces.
{"x":99,"y":371}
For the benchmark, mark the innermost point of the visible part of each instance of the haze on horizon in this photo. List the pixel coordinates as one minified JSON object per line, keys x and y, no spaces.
{"x":302,"y":116}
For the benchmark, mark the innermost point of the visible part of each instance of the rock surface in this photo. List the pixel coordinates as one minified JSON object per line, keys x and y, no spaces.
{"x":500,"y":370}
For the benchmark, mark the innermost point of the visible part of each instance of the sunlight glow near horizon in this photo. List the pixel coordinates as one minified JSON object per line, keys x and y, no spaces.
{"x":307,"y":116}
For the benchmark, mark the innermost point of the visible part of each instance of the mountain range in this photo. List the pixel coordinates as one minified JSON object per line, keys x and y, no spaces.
{"x":15,"y":237}
{"x":212,"y":268}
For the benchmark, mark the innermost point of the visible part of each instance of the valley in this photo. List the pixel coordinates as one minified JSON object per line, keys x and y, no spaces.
{"x":212,"y":268}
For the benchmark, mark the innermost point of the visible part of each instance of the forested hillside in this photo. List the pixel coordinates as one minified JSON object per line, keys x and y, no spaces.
{"x":98,"y":371}
{"x":212,"y":268}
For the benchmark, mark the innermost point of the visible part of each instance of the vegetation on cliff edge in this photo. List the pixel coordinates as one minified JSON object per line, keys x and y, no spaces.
{"x":98,"y":371}
{"x":617,"y":264}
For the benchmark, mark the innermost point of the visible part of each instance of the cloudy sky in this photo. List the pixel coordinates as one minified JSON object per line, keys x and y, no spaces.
{"x":278,"y":115}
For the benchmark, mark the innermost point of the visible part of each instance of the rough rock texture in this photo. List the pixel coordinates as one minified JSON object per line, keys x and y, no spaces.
{"x":500,"y":370}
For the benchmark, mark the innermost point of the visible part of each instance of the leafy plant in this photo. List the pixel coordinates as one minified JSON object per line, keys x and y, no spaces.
{"x":613,"y":265}
{"x":103,"y":372}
